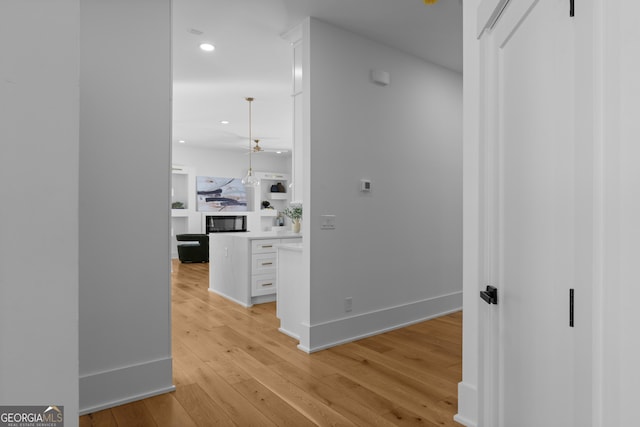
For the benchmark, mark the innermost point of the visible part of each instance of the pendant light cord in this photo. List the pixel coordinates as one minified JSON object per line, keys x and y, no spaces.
{"x":250,"y":168}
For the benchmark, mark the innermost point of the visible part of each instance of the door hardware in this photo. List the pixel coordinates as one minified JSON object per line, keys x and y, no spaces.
{"x":571,"y":308}
{"x":490,"y":296}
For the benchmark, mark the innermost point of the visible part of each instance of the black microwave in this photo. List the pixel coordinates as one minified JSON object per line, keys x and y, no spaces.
{"x":226,"y":223}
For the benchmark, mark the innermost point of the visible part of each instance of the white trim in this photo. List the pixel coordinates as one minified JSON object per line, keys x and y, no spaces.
{"x":289,"y":333}
{"x":90,"y":410}
{"x":341,"y":331}
{"x":254,"y":300}
{"x":489,"y":12}
{"x":602,"y":54}
{"x":467,"y":405}
{"x":106,"y":389}
{"x":462,"y":420}
{"x":261,"y":299}
{"x":489,"y":199}
{"x":472,"y":266}
{"x":608,"y":288}
{"x":294,"y":35}
{"x":225,"y":296}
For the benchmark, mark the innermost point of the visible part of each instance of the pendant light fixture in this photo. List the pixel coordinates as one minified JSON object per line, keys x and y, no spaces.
{"x":249,"y":179}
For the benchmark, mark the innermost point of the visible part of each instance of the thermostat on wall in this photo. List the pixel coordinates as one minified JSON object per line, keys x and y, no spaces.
{"x":381,"y":78}
{"x":365,"y":185}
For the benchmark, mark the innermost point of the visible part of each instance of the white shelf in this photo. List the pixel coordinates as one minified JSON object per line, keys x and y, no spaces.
{"x":179,"y":213}
{"x":274,"y":176}
{"x":278,"y":200}
{"x":278,"y":196}
{"x":224,"y":213}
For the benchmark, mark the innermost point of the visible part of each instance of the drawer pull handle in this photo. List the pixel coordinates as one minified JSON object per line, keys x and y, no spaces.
{"x":267,"y":246}
{"x":267,"y":263}
{"x":266,"y":284}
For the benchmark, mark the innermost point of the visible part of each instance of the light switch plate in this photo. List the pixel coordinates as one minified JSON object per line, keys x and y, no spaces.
{"x":328,"y":222}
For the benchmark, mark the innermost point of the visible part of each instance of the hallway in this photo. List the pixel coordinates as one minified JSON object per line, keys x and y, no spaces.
{"x":233,"y":368}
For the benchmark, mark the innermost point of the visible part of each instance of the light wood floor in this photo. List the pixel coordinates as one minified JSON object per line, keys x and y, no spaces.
{"x":233,"y":368}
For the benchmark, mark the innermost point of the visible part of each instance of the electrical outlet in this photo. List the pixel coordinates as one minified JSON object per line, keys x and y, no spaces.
{"x":348,"y":304}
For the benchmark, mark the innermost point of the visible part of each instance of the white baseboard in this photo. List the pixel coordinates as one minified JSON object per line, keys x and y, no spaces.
{"x":341,"y":331}
{"x":237,"y":301}
{"x":467,"y":405}
{"x":260,"y":299}
{"x":462,"y":420}
{"x":289,"y":333}
{"x":122,"y":385}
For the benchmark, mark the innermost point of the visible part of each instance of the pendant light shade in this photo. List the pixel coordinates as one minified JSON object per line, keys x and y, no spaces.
{"x":249,"y":179}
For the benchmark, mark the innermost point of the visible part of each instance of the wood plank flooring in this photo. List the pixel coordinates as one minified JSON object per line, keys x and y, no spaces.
{"x":233,"y":368}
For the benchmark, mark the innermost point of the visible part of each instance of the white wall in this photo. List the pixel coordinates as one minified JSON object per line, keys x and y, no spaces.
{"x":125,"y":120}
{"x":397,"y":251}
{"x":227,"y":163}
{"x":39,"y":209}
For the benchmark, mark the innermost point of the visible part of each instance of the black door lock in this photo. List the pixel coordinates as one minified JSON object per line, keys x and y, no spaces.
{"x":490,"y":296}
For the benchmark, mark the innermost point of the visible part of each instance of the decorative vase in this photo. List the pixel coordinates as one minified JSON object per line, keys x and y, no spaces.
{"x":295,"y":226}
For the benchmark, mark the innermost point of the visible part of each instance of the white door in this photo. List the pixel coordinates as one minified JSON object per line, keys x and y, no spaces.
{"x":530,"y":199}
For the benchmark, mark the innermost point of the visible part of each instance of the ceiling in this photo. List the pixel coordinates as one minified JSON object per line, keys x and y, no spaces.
{"x":252,"y":59}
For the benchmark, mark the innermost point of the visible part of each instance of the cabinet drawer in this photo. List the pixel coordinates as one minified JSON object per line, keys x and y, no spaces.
{"x":263,"y":284}
{"x":264,"y":246}
{"x":263,"y":263}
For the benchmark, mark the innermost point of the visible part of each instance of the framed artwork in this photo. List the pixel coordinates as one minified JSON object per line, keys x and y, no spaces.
{"x":218,"y":194}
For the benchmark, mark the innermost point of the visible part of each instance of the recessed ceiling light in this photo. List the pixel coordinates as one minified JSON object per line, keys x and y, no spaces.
{"x":278,"y":152}
{"x":182,"y":141}
{"x":207,"y":47}
{"x":224,"y":122}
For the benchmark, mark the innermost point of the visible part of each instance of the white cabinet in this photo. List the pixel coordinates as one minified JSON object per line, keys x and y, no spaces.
{"x":264,"y":263}
{"x":264,"y":284}
{"x":264,"y":246}
{"x":243,"y":266}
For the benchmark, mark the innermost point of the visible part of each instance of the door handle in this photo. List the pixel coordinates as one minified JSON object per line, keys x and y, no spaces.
{"x":490,"y":296}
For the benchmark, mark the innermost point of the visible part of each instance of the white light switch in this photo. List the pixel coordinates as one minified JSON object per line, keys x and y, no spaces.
{"x":328,"y":222}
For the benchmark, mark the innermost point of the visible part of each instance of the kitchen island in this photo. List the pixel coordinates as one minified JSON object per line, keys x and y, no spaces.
{"x":243,"y":266}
